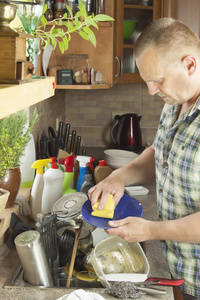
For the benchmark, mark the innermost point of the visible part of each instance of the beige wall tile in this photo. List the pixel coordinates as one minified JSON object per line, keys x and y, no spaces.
{"x":89,"y":112}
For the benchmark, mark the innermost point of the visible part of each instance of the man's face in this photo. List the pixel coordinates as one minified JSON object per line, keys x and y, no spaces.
{"x":170,"y":82}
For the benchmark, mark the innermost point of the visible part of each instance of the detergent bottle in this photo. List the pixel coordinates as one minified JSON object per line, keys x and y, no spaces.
{"x":83,"y":169}
{"x":102,"y":171}
{"x":53,"y":179}
{"x":38,"y":186}
{"x":69,"y":175}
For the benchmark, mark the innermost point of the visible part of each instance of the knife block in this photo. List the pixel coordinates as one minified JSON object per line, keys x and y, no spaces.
{"x":12,"y":55}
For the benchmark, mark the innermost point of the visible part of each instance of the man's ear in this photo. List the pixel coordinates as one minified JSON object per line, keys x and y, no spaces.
{"x":189,"y":63}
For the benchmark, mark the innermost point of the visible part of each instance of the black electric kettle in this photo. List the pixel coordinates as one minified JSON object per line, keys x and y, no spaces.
{"x":126,"y":132}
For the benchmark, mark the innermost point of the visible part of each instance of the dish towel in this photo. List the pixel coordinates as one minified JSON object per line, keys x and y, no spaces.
{"x":24,"y":208}
{"x":81,"y":295}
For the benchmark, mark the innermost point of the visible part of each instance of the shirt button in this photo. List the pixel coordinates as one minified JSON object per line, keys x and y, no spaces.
{"x":182,"y":148}
{"x":166,"y":164}
{"x":161,"y":190}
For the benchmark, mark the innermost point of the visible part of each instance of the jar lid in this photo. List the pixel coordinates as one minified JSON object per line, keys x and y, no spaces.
{"x":30,"y":238}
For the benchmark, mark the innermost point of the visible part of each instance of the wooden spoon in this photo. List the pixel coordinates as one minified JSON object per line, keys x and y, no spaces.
{"x":71,"y":267}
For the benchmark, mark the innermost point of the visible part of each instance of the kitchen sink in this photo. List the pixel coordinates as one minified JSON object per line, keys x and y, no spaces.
{"x":17,"y":278}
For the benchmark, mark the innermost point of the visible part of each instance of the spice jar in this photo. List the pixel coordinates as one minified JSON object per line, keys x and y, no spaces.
{"x":58,"y":9}
{"x":49,"y":13}
{"x":80,"y":65}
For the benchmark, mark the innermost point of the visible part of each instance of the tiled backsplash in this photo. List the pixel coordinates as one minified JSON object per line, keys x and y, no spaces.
{"x":90,"y":112}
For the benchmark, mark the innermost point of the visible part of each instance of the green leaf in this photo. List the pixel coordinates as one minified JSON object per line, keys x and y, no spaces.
{"x":56,"y":31}
{"x":91,"y":35}
{"x":52,"y":29}
{"x":61,"y":47}
{"x":87,"y":30}
{"x":54,"y":43}
{"x":93,"y":40}
{"x":44,"y":21}
{"x":65,"y":16}
{"x":45,"y":8}
{"x":68,"y":24}
{"x":69,"y":10}
{"x":103,"y":18}
{"x":83,"y":35}
{"x":82,"y":9}
{"x":60,"y":22}
{"x":90,"y":22}
{"x":65,"y":43}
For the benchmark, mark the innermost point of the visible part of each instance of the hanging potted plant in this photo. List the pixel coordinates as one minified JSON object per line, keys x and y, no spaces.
{"x":14,"y":137}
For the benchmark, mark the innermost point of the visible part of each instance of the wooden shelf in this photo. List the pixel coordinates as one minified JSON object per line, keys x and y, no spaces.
{"x":138,"y":6}
{"x":83,"y":87}
{"x":19,"y":96}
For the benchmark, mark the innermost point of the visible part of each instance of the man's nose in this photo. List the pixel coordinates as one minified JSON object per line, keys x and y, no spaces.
{"x":153,"y":88}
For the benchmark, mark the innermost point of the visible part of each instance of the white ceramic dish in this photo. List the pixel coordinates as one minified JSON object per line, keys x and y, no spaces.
{"x":114,"y":256}
{"x":117,"y":153}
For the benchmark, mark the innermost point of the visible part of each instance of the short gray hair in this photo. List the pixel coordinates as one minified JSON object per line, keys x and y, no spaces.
{"x":167,"y":36}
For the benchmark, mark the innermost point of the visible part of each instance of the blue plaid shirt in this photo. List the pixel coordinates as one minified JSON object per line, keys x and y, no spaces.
{"x":177,"y":159}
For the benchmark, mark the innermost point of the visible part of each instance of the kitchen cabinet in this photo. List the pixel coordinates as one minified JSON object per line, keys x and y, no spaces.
{"x":125,"y":68}
{"x":100,"y":58}
{"x":16,"y":97}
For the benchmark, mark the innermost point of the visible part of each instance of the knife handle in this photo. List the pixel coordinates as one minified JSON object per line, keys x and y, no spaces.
{"x":72,"y":142}
{"x":167,"y":282}
{"x":66,"y":136}
{"x":78,"y":142}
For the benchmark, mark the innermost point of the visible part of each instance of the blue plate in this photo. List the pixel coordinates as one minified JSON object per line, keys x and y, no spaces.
{"x":127,"y":207}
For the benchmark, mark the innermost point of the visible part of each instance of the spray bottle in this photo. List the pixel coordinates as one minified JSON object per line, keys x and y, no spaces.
{"x":53,"y":179}
{"x":69,"y":175}
{"x":38,"y":186}
{"x":83,"y":161}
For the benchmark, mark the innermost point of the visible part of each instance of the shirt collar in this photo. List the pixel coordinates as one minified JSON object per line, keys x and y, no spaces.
{"x":196,"y":105}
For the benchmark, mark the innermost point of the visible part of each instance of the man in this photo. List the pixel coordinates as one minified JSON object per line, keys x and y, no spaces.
{"x":167,"y":54}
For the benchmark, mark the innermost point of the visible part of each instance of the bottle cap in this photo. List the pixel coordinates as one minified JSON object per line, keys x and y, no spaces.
{"x":102,"y":163}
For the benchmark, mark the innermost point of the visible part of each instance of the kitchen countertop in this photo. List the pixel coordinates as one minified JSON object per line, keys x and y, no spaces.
{"x":158,"y":267}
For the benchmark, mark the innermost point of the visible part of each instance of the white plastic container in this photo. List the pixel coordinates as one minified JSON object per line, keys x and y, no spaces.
{"x":27,"y":173}
{"x":53,"y":179}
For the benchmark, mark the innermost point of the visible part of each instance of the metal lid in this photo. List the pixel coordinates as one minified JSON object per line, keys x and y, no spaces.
{"x":30,"y":238}
{"x":69,"y":205}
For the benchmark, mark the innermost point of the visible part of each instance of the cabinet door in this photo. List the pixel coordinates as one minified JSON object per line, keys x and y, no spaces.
{"x":144,"y":12}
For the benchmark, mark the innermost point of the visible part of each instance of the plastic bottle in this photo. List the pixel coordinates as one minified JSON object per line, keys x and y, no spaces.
{"x":38,"y":186}
{"x":26,"y":161}
{"x":53,"y":179}
{"x":102,"y":171}
{"x":83,"y":161}
{"x":69,"y":175}
{"x":87,"y":184}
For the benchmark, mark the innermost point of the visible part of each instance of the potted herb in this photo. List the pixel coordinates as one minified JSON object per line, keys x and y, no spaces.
{"x":14,"y":137}
{"x":61,"y":29}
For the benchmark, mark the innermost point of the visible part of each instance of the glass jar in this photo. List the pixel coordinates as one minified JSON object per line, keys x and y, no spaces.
{"x":79,"y":63}
{"x":49,"y":13}
{"x":58,"y":9}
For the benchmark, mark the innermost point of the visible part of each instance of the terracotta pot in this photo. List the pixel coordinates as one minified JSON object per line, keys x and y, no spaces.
{"x":11,"y":183}
{"x":3,"y":199}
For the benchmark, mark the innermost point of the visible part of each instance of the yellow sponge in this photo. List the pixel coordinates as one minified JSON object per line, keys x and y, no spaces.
{"x":107,"y":211}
